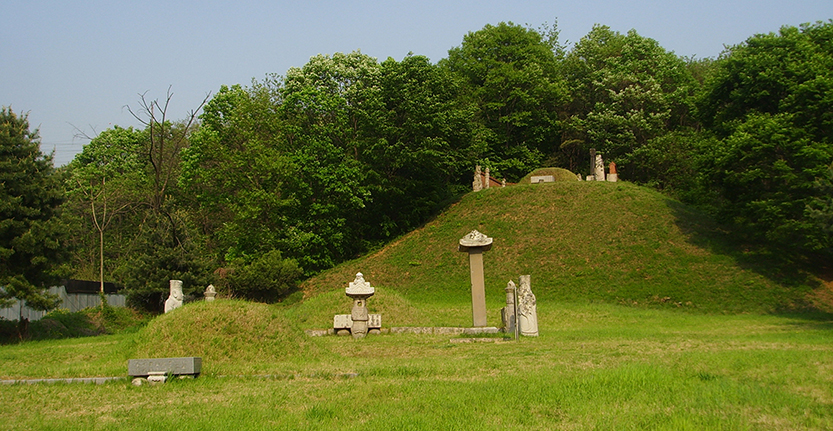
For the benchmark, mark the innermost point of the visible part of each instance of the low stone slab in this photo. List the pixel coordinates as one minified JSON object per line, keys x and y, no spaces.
{"x":177,"y":366}
{"x":542,"y":179}
{"x":478,"y":340}
{"x":345,"y":321}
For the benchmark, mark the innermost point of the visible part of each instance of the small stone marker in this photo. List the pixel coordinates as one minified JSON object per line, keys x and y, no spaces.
{"x":612,"y":176}
{"x":175,"y":299}
{"x":359,"y":291}
{"x":527,"y":309}
{"x":508,"y":312}
{"x":488,"y":179}
{"x":210,"y":293}
{"x":475,"y":243}
{"x":542,"y":179}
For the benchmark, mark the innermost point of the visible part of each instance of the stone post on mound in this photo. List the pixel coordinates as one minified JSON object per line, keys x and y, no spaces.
{"x":475,"y":243}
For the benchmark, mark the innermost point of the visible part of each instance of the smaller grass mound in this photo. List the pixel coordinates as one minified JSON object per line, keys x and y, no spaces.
{"x":558,"y":173}
{"x":228,"y":335}
{"x":317,"y":312}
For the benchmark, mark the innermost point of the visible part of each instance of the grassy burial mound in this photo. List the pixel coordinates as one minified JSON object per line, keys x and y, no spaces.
{"x":224,"y":332}
{"x":559,"y":174}
{"x":580,"y":241}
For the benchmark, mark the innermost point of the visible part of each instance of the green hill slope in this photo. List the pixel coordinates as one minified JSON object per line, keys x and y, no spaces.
{"x":580,"y":241}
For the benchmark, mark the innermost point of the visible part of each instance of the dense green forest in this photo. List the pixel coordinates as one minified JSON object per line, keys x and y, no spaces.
{"x":295,"y":173}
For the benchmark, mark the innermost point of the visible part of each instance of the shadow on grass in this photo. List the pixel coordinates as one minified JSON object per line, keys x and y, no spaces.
{"x":792,"y":271}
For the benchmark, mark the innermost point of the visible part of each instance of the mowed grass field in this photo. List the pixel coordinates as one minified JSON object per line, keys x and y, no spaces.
{"x":594,"y":366}
{"x":649,"y":316}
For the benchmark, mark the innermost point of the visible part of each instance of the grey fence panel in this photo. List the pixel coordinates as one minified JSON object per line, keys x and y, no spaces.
{"x":72,"y":302}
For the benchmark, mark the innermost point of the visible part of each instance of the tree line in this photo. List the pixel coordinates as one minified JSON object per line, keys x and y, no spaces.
{"x":295,"y":173}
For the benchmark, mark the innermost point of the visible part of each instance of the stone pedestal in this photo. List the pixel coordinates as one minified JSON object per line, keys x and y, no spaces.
{"x":475,"y":243}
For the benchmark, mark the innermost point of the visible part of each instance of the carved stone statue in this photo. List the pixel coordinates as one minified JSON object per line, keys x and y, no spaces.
{"x":175,"y":299}
{"x":477,"y":184}
{"x":527,"y":309}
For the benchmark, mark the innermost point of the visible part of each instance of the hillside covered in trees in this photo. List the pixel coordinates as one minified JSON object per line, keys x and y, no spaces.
{"x":293,"y":174}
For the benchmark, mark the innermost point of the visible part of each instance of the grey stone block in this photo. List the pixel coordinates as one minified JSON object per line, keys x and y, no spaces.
{"x":176,"y":366}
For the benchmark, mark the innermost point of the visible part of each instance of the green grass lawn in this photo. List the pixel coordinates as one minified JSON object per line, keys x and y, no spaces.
{"x":595,"y":366}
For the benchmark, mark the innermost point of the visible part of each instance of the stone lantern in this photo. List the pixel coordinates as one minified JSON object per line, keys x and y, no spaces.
{"x":359,"y":291}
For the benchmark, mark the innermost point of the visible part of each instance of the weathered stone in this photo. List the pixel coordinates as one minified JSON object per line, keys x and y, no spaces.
{"x":156,"y":377}
{"x":599,"y":171}
{"x":612,"y":176}
{"x":508,"y":313}
{"x":174,"y":301}
{"x":345,"y":321}
{"x":448,"y":331}
{"x":176,"y":366}
{"x":475,"y":243}
{"x":537,"y":179}
{"x":210,"y":293}
{"x":481,"y":330}
{"x":527,"y":309}
{"x":488,"y":179}
{"x":477,"y":184}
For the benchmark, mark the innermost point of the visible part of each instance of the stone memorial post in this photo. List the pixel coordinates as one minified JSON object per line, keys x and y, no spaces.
{"x":475,"y":243}
{"x":527,"y":309}
{"x":612,"y":176}
{"x":477,"y":183}
{"x":599,"y":172}
{"x":175,"y":299}
{"x":488,"y":179}
{"x":359,"y":290}
{"x":592,"y":163}
{"x":509,"y":315}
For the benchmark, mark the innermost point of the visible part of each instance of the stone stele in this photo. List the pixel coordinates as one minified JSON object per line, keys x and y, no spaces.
{"x":475,"y":243}
{"x":175,"y":299}
{"x":527,"y":309}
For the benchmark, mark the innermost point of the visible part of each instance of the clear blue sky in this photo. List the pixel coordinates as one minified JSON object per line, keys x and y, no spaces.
{"x":78,"y":63}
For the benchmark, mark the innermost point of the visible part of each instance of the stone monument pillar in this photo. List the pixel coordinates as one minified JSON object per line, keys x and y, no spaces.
{"x":359,"y":290}
{"x":475,"y":243}
{"x":527,"y":309}
{"x":210,"y":293}
{"x":488,"y":179}
{"x":175,"y":299}
{"x":508,"y":314}
{"x":612,"y":176}
{"x":599,"y":172}
{"x":477,"y":183}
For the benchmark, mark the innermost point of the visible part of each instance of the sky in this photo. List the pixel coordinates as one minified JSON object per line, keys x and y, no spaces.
{"x":74,"y":66}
